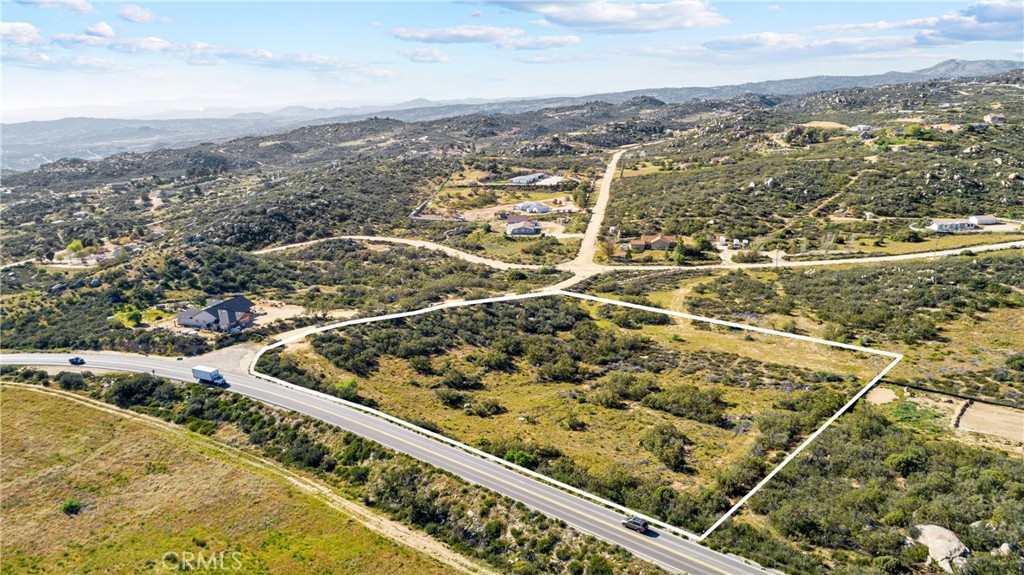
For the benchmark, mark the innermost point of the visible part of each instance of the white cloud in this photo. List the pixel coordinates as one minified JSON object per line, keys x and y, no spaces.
{"x":134,"y":13}
{"x":423,"y":55}
{"x":775,"y":44}
{"x":42,"y":61}
{"x":19,"y":34}
{"x":624,"y":17}
{"x":510,"y":38}
{"x":202,"y":53}
{"x":989,"y":20}
{"x":456,"y":34}
{"x":79,"y":6}
{"x":101,"y":29}
{"x":539,"y":42}
{"x":127,"y":45}
{"x":774,"y":7}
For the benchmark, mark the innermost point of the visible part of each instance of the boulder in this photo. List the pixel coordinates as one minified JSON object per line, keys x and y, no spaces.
{"x":944,"y":547}
{"x":1005,"y":550}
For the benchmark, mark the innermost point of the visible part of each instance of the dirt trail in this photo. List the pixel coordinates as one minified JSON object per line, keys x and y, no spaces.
{"x":385,"y":527}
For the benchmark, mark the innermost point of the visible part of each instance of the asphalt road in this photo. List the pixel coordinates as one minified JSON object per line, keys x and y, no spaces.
{"x":669,"y":551}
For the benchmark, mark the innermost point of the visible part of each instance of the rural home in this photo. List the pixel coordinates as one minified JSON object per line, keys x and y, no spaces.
{"x":994,"y":119}
{"x":533,"y":207}
{"x":944,"y":225}
{"x":984,"y":220}
{"x":637,"y":246}
{"x":527,"y":228}
{"x":527,"y":180}
{"x":660,"y":242}
{"x":652,"y":243}
{"x":220,"y":315}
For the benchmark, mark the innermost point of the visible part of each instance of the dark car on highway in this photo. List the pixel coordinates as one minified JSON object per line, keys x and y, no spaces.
{"x":76,"y":361}
{"x":635,"y":523}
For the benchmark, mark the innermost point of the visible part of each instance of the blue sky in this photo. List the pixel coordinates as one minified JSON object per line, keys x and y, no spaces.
{"x":119,"y":59}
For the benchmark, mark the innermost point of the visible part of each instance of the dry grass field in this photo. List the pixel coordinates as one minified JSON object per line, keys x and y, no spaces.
{"x":147,"y":489}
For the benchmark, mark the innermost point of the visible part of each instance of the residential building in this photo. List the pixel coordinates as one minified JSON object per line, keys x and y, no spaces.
{"x":527,"y":228}
{"x":652,"y":243}
{"x":220,"y":315}
{"x":527,"y":180}
{"x":984,"y":220}
{"x":659,"y":242}
{"x":944,"y":225}
{"x":533,"y":207}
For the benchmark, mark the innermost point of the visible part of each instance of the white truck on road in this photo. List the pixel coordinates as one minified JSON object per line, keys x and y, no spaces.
{"x":208,"y":375}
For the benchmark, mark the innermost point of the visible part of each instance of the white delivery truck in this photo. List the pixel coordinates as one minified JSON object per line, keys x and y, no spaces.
{"x":208,"y":375}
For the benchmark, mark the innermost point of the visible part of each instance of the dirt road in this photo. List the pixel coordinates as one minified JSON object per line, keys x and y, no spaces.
{"x":472,"y":258}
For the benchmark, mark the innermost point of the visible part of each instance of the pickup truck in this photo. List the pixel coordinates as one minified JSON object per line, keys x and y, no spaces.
{"x":208,"y":375}
{"x":635,"y":523}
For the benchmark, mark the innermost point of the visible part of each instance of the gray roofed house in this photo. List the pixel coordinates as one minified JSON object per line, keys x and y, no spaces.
{"x":221,"y":315}
{"x":527,"y":228}
{"x":533,"y":207}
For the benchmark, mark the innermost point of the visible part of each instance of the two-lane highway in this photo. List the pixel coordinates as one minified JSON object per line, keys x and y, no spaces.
{"x":667,"y":550}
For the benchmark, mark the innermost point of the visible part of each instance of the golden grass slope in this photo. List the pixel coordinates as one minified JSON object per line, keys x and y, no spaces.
{"x":149,"y":488}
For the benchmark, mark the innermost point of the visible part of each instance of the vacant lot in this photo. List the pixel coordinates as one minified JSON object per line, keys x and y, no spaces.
{"x":144,"y":492}
{"x":559,"y":386}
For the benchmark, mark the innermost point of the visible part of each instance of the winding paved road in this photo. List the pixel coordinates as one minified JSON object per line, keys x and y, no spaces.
{"x":671,"y":552}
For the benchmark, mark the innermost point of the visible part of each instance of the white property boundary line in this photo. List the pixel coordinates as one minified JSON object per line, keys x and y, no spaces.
{"x":896,"y":358}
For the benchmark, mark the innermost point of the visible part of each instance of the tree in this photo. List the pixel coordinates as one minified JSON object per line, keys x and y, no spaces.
{"x":828,"y":241}
{"x":70,"y":380}
{"x":521,"y":458}
{"x":668,"y":444}
{"x":75,"y":248}
{"x":348,"y":390}
{"x":129,"y":315}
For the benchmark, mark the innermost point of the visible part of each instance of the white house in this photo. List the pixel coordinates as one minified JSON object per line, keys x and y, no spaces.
{"x":527,"y":180}
{"x":985,"y":220}
{"x":527,"y":228}
{"x":533,"y":207}
{"x":944,"y":225}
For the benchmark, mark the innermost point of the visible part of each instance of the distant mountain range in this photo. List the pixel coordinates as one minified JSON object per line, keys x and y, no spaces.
{"x":27,"y":145}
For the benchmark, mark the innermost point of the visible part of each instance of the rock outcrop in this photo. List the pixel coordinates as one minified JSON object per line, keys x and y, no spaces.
{"x":944,"y":547}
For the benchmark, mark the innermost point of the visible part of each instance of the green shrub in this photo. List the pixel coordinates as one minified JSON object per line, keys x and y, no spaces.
{"x":71,"y":506}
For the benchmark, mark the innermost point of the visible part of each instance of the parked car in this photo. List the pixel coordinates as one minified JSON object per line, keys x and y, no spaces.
{"x":635,"y":523}
{"x":76,"y":361}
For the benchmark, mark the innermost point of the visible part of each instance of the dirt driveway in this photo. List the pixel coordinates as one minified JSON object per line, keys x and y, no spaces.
{"x":1004,"y":422}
